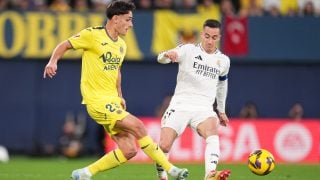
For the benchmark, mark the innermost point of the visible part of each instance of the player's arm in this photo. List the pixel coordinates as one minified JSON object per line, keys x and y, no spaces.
{"x":222,"y":90}
{"x":168,"y":57}
{"x":51,"y":68}
{"x":123,"y":102}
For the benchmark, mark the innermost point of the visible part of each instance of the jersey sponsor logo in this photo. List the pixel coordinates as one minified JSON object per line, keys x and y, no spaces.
{"x":111,"y":62}
{"x":205,"y":70}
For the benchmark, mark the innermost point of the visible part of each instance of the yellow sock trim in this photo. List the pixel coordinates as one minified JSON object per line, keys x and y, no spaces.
{"x":154,"y":152}
{"x":111,"y":160}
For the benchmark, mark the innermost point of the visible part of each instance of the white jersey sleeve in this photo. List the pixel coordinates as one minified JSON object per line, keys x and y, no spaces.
{"x":222,"y":87}
{"x":179,"y":49}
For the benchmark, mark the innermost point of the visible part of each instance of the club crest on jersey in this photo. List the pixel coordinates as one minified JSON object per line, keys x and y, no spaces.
{"x":218,"y":62}
{"x":121,"y":49}
{"x":119,"y":111}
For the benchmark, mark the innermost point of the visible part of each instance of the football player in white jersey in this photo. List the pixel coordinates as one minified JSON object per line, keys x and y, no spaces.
{"x":202,"y":79}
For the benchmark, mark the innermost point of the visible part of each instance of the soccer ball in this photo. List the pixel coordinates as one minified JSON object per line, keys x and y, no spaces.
{"x":4,"y":155}
{"x":261,"y":162}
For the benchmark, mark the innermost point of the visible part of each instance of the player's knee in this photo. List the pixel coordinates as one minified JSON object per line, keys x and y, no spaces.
{"x":165,"y":147}
{"x":140,"y":129}
{"x":130,"y":153}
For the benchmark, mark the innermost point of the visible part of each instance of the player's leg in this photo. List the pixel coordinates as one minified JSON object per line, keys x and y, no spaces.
{"x":135,"y":127}
{"x":125,"y":151}
{"x":208,"y":129}
{"x":108,"y":117}
{"x":167,"y":137}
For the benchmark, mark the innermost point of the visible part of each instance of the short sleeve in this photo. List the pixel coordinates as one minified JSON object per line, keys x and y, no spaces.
{"x":82,"y":40}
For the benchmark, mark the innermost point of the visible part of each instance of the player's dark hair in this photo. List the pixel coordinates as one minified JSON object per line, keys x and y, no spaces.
{"x":119,"y":7}
{"x":212,"y":23}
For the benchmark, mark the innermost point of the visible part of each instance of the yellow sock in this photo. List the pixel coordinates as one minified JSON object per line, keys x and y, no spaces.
{"x":154,"y":152}
{"x":111,"y":160}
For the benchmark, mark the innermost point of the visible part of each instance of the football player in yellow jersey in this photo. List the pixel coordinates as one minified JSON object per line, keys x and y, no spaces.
{"x":103,"y":54}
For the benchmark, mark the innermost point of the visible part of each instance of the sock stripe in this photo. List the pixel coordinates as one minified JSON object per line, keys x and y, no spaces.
{"x":145,"y":146}
{"x":115,"y":155}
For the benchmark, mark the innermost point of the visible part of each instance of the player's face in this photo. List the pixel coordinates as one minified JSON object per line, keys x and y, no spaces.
{"x":209,"y":39}
{"x":124,"y":23}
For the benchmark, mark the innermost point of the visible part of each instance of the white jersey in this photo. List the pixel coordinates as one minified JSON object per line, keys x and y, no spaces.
{"x":198,"y":77}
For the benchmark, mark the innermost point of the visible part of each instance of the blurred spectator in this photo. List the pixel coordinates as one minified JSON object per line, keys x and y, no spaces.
{"x":249,"y":111}
{"x":80,"y":5}
{"x":210,"y":8}
{"x":186,"y":35}
{"x":144,"y":4}
{"x":296,"y":112}
{"x":289,"y":7}
{"x":60,"y":6}
{"x":316,"y":5}
{"x":21,"y":4}
{"x":163,"y":106}
{"x":251,"y":8}
{"x":272,"y":7}
{"x":40,"y":5}
{"x":185,"y":5}
{"x":308,"y":9}
{"x":71,"y":140}
{"x":163,"y":4}
{"x":100,"y":5}
{"x":227,"y":8}
{"x":101,"y":140}
{"x":3,"y":4}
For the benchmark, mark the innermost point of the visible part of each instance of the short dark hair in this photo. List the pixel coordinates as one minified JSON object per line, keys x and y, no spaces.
{"x":212,"y":23}
{"x":119,"y":7}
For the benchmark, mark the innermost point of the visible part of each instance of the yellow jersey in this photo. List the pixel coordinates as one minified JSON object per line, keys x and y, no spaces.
{"x":101,"y":60}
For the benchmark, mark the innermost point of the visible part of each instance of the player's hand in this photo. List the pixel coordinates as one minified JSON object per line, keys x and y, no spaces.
{"x":50,"y":70}
{"x":224,"y":120}
{"x":172,"y":55}
{"x":123,"y":104}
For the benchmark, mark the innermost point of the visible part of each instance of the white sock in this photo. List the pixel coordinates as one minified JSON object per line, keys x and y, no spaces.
{"x":86,"y":170}
{"x":174,"y":171}
{"x":212,"y":153}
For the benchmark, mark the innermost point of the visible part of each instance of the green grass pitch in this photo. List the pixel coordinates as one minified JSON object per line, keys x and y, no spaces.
{"x":26,"y":168}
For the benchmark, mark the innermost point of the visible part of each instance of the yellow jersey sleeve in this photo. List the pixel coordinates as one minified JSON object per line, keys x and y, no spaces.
{"x":82,"y":40}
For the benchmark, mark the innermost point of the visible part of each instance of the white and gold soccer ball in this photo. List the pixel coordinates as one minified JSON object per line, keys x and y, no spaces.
{"x":261,"y":162}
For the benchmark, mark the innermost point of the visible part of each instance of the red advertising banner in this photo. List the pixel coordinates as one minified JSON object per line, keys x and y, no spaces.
{"x":288,"y":141}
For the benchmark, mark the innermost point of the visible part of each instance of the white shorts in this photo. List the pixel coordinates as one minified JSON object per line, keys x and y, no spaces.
{"x":180,"y":119}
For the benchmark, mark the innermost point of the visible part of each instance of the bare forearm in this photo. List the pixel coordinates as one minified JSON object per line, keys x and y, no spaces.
{"x":59,"y":51}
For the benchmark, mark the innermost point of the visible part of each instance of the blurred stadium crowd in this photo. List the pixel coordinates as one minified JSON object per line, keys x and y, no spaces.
{"x":227,"y":7}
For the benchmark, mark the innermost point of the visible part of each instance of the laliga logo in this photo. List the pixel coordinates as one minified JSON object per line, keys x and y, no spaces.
{"x":293,"y":142}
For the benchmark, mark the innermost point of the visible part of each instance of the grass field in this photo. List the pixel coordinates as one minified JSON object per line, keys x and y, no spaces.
{"x":24,"y":168}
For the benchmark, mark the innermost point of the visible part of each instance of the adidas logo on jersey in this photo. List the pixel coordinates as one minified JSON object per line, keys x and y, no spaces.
{"x":198,"y":57}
